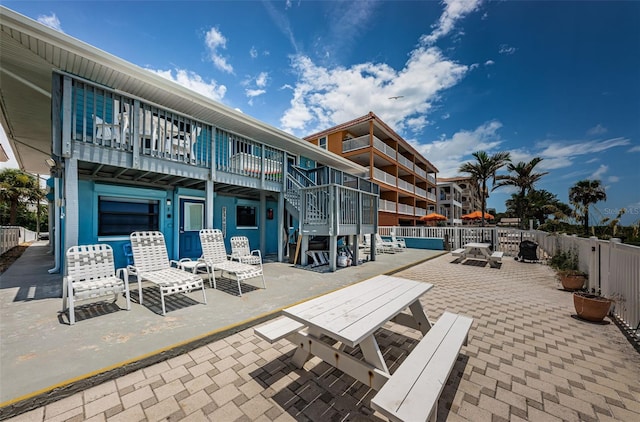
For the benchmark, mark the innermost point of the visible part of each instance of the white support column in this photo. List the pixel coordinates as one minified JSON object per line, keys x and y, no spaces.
{"x":282,"y":227}
{"x":67,"y":106}
{"x":263,"y":221}
{"x":209,"y":204}
{"x":71,"y":212}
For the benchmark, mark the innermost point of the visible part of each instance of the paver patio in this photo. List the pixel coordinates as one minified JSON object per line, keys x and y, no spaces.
{"x":527,"y":359}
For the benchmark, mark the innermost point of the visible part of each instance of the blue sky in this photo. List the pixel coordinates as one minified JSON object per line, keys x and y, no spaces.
{"x":559,"y":80}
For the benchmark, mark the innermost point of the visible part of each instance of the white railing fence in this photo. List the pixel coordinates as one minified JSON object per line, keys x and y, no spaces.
{"x":12,"y":236}
{"x":9,"y":238}
{"x":613,"y":267}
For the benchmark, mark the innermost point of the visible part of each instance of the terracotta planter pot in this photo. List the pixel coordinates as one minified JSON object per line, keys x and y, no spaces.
{"x":591,"y":307}
{"x":572,"y":281}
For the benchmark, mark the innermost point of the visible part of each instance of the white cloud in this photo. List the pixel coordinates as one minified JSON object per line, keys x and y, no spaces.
{"x":325,"y":96}
{"x":449,"y":153}
{"x":454,"y":10}
{"x":613,"y":179}
{"x":634,"y":149}
{"x":194,"y":82}
{"x":597,"y":130}
{"x":506,"y":49}
{"x":253,"y":52}
{"x":599,"y":172}
{"x":214,"y":40}
{"x":489,"y":63}
{"x":261,"y":79}
{"x":51,"y":21}
{"x":254,"y":92}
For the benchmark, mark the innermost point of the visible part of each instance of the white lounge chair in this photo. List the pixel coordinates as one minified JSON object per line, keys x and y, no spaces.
{"x":387,"y":245}
{"x":151,"y":263}
{"x":91,"y":274}
{"x":214,"y":254}
{"x":241,"y":251}
{"x":399,"y":241}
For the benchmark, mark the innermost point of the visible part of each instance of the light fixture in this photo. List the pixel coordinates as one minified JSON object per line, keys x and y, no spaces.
{"x":50,"y":162}
{"x":168,"y":202}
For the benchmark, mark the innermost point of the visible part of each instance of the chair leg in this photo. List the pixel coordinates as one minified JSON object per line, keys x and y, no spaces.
{"x":164,"y":311}
{"x":128,"y":296}
{"x":239,"y":288}
{"x":64,"y":295}
{"x":204,"y":295}
{"x":139,"y":290}
{"x":72,"y":312}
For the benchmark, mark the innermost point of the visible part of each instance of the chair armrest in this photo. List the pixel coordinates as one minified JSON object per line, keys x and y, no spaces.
{"x":175,"y":263}
{"x":132,"y":270}
{"x":257,"y":252}
{"x":123,"y":273}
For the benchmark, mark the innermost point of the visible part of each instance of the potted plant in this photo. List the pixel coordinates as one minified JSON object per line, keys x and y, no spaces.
{"x":566,"y":265}
{"x":591,"y":306}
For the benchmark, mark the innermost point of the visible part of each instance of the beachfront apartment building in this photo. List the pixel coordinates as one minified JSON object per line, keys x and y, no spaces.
{"x":407,"y":180}
{"x":129,"y":150}
{"x":450,"y":202}
{"x":471,"y":200}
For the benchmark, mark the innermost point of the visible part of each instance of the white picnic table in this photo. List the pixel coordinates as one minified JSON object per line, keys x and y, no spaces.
{"x":479,"y":251}
{"x":351,"y":316}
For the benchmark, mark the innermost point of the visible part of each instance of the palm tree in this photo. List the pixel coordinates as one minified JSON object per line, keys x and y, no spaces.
{"x":17,"y":186}
{"x":482,"y":170}
{"x":584,"y":193}
{"x":524,"y":178}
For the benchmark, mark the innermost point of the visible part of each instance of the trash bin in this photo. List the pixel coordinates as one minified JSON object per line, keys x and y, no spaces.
{"x":528,"y":251}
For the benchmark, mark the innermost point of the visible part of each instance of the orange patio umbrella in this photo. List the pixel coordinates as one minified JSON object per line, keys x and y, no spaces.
{"x":433,"y":217}
{"x":477,"y":215}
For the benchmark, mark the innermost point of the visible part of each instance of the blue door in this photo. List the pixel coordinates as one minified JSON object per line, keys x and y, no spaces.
{"x":191,"y":222}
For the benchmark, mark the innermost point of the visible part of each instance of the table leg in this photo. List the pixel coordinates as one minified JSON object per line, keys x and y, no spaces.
{"x":302,"y":354}
{"x":424,"y":325}
{"x":372,"y":353}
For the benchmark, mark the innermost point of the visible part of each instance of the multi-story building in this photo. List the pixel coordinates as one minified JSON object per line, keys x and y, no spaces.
{"x":407,"y":180}
{"x":450,"y":202}
{"x":129,"y":150}
{"x":471,"y":200}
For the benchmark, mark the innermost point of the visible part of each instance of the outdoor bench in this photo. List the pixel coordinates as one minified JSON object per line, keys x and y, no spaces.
{"x":412,"y":392}
{"x":495,"y":258}
{"x":459,"y":252}
{"x":278,"y":329}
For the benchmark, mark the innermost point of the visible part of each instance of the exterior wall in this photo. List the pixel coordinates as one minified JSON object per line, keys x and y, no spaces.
{"x":168,"y":218}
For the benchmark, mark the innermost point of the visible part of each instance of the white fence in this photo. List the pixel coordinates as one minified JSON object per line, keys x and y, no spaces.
{"x":613,"y":267}
{"x":12,"y":236}
{"x":9,"y":238}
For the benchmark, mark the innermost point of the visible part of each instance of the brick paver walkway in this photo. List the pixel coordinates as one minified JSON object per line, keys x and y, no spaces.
{"x":527,"y":359}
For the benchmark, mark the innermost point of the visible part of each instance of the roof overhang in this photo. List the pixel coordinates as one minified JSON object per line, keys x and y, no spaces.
{"x":29,"y":55}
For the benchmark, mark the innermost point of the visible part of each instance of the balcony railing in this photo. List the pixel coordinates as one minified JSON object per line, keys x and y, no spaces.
{"x":431,"y":196}
{"x":355,"y":143}
{"x":405,"y":209}
{"x":108,"y":119}
{"x":431,"y":178}
{"x":385,"y":177}
{"x":385,"y":205}
{"x":419,"y":171}
{"x":386,"y":149}
{"x":421,"y":192}
{"x":420,"y":212}
{"x":404,"y":185}
{"x":405,"y":161}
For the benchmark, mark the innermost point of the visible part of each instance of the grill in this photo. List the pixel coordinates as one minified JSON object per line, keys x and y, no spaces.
{"x":528,"y":251}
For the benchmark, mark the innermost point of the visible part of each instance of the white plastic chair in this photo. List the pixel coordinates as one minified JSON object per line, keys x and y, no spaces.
{"x":91,"y":274}
{"x":151,"y":263}
{"x":241,"y":251}
{"x":214,"y":254}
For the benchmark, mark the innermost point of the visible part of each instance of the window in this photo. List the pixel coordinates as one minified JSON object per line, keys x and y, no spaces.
{"x":246,"y":216}
{"x":322,"y":142}
{"x":121,"y":216}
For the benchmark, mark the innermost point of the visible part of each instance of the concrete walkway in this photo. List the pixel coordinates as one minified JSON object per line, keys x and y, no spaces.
{"x":527,"y":358}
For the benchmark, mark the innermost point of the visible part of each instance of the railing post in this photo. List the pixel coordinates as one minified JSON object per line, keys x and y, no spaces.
{"x":134,"y":134}
{"x":594,"y":265}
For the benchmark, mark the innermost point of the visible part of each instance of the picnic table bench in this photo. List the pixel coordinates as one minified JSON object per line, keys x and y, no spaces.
{"x":351,"y":316}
